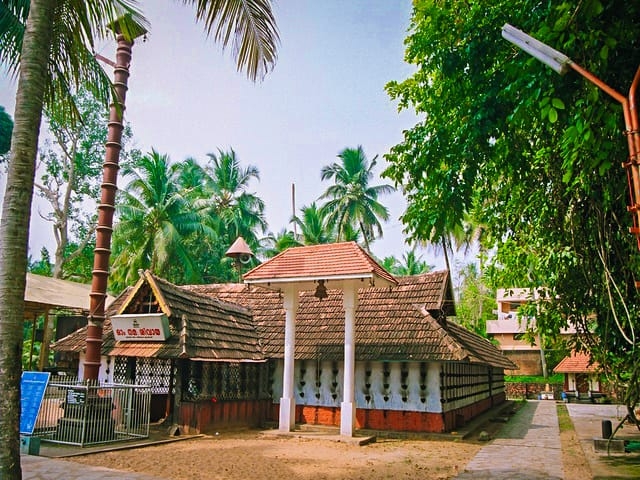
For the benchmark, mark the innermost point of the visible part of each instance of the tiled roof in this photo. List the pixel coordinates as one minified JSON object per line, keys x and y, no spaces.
{"x":397,"y":323}
{"x":479,"y":349}
{"x":75,"y":341}
{"x":577,"y":362}
{"x":325,"y":261}
{"x":391,"y":323}
{"x":216,"y":330}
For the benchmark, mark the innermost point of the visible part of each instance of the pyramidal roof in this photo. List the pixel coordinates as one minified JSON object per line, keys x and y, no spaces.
{"x":331,"y":262}
{"x":577,"y":362}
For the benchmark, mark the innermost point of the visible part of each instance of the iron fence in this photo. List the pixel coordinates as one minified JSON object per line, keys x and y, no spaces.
{"x":81,"y":413}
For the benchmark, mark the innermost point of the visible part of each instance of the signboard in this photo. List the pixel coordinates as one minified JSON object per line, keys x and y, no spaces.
{"x":150,"y":327}
{"x":76,"y":396}
{"x":32,"y":387}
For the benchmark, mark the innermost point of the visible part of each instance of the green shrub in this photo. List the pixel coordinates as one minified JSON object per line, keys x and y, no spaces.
{"x":555,"y":378}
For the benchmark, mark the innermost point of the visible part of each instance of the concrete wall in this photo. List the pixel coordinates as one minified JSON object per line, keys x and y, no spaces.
{"x":528,"y":361}
{"x":105,"y":373}
{"x":582,"y":382}
{"x":398,"y":396}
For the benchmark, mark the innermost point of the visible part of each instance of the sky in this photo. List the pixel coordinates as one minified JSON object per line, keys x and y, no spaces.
{"x":326,"y":93}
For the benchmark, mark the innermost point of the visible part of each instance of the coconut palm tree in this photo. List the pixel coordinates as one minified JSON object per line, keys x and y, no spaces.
{"x":219,"y":190}
{"x":49,"y":42}
{"x":390,"y":264}
{"x":273,"y":244}
{"x":238,"y":212}
{"x":412,"y":264}
{"x":351,"y":200}
{"x":155,"y":221}
{"x":313,"y":226}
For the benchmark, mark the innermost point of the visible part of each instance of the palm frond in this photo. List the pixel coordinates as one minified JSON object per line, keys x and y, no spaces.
{"x":248,"y":25}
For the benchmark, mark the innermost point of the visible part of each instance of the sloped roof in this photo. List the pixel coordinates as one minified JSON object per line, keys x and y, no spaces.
{"x":395,"y":323}
{"x":391,"y":323}
{"x":202,"y":327}
{"x":479,"y":349}
{"x":330,"y":261}
{"x":43,"y":293}
{"x":576,"y":362}
{"x":76,"y":341}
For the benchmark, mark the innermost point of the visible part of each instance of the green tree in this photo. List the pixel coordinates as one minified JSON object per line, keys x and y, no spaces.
{"x":411,"y":264}
{"x":390,"y":264}
{"x":351,"y":200}
{"x":273,"y":244}
{"x":42,"y":266}
{"x":6,"y":128}
{"x":313,"y":226}
{"x":71,"y":174}
{"x":155,"y":221}
{"x":225,"y":184}
{"x":531,"y":155}
{"x":78,"y":263}
{"x":476,"y":300}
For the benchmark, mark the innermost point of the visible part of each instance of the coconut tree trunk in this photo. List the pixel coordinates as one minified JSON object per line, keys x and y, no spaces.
{"x":14,"y":228}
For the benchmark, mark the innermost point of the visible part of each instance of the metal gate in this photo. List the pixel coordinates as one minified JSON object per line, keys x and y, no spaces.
{"x":81,"y":413}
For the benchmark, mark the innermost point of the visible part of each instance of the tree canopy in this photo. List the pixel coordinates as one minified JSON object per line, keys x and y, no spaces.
{"x":531,"y":156}
{"x":351,"y":202}
{"x":70,"y":167}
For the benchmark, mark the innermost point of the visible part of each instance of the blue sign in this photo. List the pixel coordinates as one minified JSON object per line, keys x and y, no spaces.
{"x":32,"y":387}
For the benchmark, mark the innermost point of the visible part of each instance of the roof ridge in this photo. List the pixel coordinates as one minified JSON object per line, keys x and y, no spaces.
{"x":186,"y":291}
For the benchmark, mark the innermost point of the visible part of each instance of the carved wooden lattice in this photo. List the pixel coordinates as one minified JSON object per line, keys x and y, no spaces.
{"x":225,"y":381}
{"x":154,"y":372}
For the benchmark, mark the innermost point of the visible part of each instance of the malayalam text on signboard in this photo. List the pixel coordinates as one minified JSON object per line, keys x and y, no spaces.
{"x":151,"y":327}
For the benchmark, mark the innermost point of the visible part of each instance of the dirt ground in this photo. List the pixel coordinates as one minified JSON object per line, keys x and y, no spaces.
{"x":252,"y":454}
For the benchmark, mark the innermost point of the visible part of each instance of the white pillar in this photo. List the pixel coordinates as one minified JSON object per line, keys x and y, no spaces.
{"x":287,"y":402}
{"x":348,"y":407}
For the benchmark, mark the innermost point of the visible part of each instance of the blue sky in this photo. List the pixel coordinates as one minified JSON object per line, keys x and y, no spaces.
{"x":326,"y":93}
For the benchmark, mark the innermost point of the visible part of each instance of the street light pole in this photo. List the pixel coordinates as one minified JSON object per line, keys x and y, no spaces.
{"x":561,"y":64}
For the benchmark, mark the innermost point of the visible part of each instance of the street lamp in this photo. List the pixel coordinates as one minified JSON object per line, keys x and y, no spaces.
{"x":561,"y":64}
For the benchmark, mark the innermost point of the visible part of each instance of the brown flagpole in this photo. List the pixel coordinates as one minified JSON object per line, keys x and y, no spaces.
{"x":106,"y":208}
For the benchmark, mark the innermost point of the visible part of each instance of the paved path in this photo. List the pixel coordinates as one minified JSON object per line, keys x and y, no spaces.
{"x":587,"y":420}
{"x":43,"y":468}
{"x":527,"y":448}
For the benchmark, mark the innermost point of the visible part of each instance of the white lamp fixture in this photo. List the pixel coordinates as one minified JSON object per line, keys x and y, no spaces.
{"x":547,"y":55}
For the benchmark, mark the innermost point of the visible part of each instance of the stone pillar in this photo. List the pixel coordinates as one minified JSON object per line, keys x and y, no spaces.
{"x":348,"y":406}
{"x":287,"y":402}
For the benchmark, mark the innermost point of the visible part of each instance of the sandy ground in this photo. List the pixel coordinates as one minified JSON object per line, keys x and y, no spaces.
{"x":253,"y":454}
{"x":250,"y":454}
